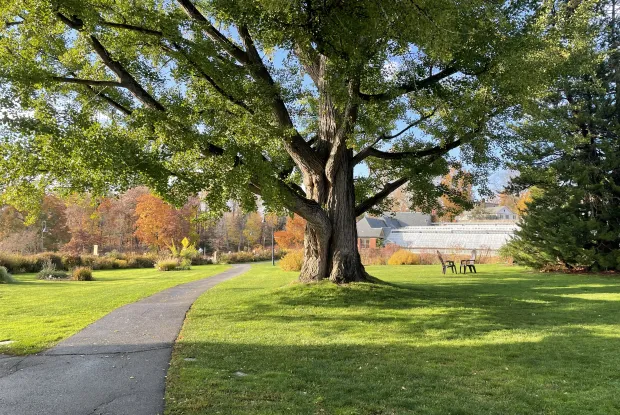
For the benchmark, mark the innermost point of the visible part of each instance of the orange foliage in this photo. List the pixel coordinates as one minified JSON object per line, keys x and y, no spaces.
{"x":158,"y":223}
{"x":293,"y":235}
{"x":524,"y":199}
{"x":461,"y":187}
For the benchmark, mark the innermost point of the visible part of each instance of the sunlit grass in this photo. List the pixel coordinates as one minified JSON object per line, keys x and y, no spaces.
{"x":503,"y":341}
{"x":35,"y":314}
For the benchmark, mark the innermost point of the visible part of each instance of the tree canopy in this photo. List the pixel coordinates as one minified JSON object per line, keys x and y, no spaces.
{"x":276,"y":98}
{"x":570,"y":152}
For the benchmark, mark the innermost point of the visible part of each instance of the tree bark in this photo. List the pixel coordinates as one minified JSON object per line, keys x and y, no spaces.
{"x":332,"y":252}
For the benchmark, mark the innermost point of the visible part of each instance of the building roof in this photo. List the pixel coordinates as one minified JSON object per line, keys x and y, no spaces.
{"x":453,"y":236}
{"x":408,"y":218}
{"x":381,"y":227}
{"x":496,"y":209}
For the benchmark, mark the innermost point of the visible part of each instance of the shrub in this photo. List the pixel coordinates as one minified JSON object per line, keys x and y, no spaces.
{"x":114,"y":254}
{"x":46,"y":258}
{"x":70,"y":261}
{"x":245,"y":256}
{"x":15,"y":263}
{"x":202,"y":261}
{"x":292,"y":261}
{"x":184,"y":264}
{"x":140,"y":261}
{"x":82,"y":274}
{"x":428,"y":258}
{"x":120,"y":264}
{"x":49,"y":272}
{"x":167,"y":264}
{"x":5,"y":277}
{"x":404,"y":257}
{"x":377,"y":256}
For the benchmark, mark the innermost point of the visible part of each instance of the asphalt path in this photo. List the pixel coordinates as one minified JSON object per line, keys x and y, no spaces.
{"x":115,"y":366}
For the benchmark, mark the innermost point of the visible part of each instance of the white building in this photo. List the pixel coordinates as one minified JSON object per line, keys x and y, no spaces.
{"x":458,"y":237}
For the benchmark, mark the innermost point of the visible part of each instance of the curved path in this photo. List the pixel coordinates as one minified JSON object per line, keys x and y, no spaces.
{"x":117,"y":365}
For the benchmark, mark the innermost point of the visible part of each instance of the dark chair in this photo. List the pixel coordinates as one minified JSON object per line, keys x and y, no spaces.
{"x":469,"y":263}
{"x":446,"y":264}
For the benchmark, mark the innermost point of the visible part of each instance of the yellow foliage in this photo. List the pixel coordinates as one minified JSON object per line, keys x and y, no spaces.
{"x":404,"y":257}
{"x":292,"y":261}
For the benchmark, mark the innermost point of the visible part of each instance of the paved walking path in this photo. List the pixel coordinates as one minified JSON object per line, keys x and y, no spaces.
{"x":117,"y":365}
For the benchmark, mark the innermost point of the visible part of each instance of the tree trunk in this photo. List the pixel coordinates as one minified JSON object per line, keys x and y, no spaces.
{"x":330,"y":250}
{"x":333,"y":253}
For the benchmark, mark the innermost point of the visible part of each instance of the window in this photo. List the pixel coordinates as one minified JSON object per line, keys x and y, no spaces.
{"x":364,"y":243}
{"x":507,"y":216}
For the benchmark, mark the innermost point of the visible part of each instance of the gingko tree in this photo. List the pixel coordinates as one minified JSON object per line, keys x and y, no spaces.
{"x":277,"y":98}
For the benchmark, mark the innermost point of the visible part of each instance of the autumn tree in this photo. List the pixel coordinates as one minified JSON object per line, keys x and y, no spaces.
{"x":83,"y":222}
{"x":253,"y":228}
{"x":158,"y":223}
{"x":292,"y":237}
{"x":47,"y":232}
{"x":242,"y":98}
{"x":457,"y":194}
{"x":118,"y":219}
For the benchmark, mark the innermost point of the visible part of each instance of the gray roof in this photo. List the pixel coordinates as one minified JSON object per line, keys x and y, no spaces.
{"x":369,"y":227}
{"x":372,"y":227}
{"x":409,"y":218}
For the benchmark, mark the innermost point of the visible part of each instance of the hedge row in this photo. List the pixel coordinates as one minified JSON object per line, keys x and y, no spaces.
{"x":246,"y":256}
{"x":16,"y":263}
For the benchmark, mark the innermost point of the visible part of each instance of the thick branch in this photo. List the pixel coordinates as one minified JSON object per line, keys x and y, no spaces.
{"x":86,"y":81}
{"x":128,"y":81}
{"x":306,"y":208}
{"x":133,"y":28}
{"x":215,"y":35}
{"x":414,"y":85}
{"x":432,"y":151}
{"x":380,"y":196}
{"x":310,"y":61}
{"x":110,"y":101}
{"x":359,"y":157}
{"x":210,"y":80}
{"x":299,"y":150}
{"x":305,"y":157}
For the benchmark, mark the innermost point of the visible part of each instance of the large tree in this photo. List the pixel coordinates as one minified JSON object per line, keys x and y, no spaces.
{"x":571,"y":153}
{"x":277,"y":98}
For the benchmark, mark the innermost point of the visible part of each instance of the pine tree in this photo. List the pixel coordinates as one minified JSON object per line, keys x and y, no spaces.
{"x":573,"y":157}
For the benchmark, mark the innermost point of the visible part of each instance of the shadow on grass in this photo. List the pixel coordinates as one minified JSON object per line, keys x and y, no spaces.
{"x":466,"y":308}
{"x":501,"y":342}
{"x":573,"y":373}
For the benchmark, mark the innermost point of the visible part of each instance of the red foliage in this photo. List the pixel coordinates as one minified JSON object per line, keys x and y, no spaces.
{"x":293,"y":235}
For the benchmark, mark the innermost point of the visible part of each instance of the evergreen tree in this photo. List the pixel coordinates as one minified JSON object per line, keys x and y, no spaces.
{"x":573,"y":156}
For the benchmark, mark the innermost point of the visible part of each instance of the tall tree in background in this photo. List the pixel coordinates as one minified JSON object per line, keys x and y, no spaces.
{"x":83,"y":222}
{"x":573,"y":156}
{"x":242,"y":98}
{"x":457,"y":194}
{"x":292,"y":237}
{"x":159,"y":224}
{"x":118,"y":219}
{"x":253,"y":228}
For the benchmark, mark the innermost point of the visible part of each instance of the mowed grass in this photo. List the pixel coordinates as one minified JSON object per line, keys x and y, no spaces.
{"x":36,"y":315}
{"x":503,"y":341}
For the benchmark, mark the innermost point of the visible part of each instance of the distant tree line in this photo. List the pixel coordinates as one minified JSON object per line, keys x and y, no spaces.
{"x":133,"y":221}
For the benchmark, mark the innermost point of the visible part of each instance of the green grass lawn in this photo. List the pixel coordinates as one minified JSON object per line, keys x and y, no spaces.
{"x":503,"y":341}
{"x":38,"y":314}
